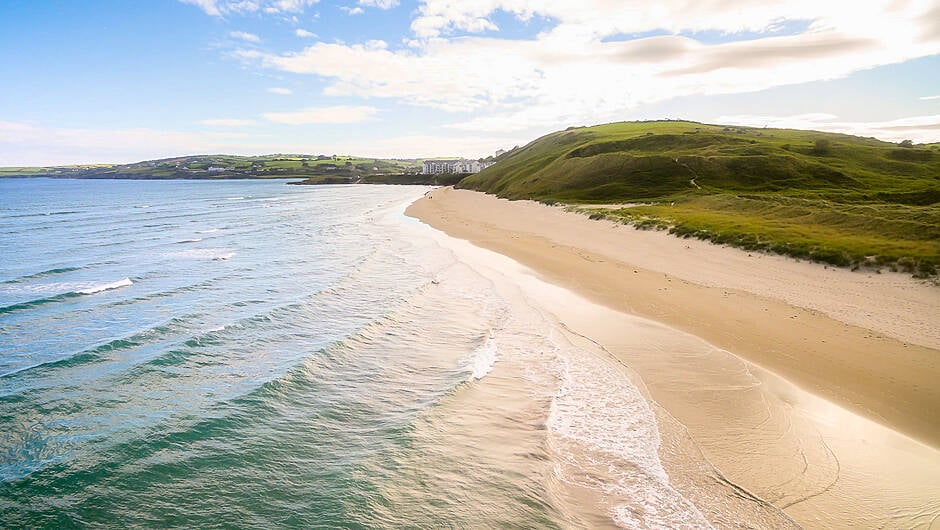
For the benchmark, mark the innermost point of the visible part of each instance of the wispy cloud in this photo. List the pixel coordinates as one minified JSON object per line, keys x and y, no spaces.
{"x":290,"y":6}
{"x":381,"y":4}
{"x":245,"y":36}
{"x":321,"y":115}
{"x":352,"y":10}
{"x":209,"y":6}
{"x":280,"y":90}
{"x":228,"y":122}
{"x":304,"y":34}
{"x":931,"y":97}
{"x":218,"y":8}
{"x":917,"y":128}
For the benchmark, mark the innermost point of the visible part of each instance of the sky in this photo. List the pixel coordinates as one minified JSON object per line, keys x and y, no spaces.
{"x":114,"y":81}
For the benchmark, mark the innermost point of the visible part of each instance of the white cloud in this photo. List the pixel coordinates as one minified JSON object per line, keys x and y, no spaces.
{"x":245,"y":36}
{"x":292,"y":6}
{"x":930,"y":97}
{"x":920,"y":129}
{"x":381,"y":4}
{"x":578,"y":71}
{"x":227,"y":122}
{"x":304,"y":34}
{"x":209,"y":6}
{"x":218,"y":8}
{"x":455,"y":76}
{"x":280,"y":90}
{"x":352,"y":10}
{"x":609,"y":17}
{"x":320,"y":115}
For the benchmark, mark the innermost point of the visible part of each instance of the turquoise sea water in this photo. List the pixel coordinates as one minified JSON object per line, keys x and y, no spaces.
{"x":201,"y":353}
{"x":247,"y":354}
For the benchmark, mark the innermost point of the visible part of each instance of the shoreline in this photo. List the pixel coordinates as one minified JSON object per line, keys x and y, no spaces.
{"x":743,"y":303}
{"x":778,"y":392}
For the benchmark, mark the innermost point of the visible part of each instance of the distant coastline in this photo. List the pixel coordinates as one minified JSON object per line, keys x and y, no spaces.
{"x":315,"y":169}
{"x":228,"y":167}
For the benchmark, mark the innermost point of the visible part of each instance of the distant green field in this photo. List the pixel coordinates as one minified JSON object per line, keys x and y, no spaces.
{"x":833,"y":198}
{"x":230,"y":167}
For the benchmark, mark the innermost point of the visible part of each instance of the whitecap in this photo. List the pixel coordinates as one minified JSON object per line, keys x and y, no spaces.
{"x":126,"y":282}
{"x":482,"y":359}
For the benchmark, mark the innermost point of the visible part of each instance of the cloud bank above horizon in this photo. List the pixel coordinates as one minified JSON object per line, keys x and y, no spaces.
{"x":449,"y":77}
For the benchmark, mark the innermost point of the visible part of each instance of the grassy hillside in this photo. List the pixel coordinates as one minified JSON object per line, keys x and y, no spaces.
{"x":829,"y":197}
{"x":230,"y":167}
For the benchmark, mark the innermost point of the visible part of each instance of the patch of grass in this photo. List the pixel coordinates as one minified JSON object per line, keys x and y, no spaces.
{"x":899,"y":236}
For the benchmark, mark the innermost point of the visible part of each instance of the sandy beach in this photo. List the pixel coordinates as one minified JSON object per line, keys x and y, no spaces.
{"x":811,"y":388}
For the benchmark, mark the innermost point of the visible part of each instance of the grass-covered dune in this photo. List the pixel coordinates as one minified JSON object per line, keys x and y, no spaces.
{"x":835,"y":198}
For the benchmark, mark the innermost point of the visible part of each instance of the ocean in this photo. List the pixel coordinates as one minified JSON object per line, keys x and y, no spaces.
{"x":250,"y":354}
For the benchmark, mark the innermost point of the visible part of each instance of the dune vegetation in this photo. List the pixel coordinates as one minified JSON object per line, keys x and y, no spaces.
{"x":834,"y":198}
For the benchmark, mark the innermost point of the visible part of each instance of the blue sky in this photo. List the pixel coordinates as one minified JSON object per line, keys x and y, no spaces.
{"x":120,"y":81}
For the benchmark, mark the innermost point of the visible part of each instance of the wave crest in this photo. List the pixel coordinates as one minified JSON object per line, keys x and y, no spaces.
{"x":126,"y":282}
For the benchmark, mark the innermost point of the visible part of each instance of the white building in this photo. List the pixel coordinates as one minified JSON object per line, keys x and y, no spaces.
{"x":467,"y":166}
{"x":454,"y":165}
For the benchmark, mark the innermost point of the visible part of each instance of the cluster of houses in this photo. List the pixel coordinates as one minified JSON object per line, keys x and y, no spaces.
{"x":454,"y":165}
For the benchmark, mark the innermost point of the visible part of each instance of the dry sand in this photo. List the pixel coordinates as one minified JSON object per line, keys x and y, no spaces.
{"x":782,"y":367}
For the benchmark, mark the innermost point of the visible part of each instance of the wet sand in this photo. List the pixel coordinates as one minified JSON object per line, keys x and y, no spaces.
{"x":802,"y":385}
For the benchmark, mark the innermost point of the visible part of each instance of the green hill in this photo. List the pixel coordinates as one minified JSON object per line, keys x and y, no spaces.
{"x":340,"y":168}
{"x":829,"y":197}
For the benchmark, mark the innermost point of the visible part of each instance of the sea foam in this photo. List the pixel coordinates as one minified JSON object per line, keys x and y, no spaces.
{"x":605,"y":421}
{"x":483,"y":358}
